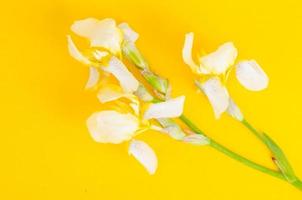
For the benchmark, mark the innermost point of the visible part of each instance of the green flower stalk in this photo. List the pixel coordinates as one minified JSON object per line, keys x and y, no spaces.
{"x":285,"y":170}
{"x":278,"y":156}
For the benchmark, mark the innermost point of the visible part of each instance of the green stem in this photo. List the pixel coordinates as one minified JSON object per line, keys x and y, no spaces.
{"x":252,"y":129}
{"x":230,"y":153}
{"x":278,"y":156}
{"x":297,"y":183}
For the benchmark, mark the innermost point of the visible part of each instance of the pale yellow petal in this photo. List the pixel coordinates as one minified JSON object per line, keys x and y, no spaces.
{"x":93,"y":78}
{"x":128,"y":82}
{"x":101,"y":33}
{"x":251,"y":76}
{"x":85,"y":27}
{"x":112,"y":127}
{"x":167,"y":109}
{"x":219,"y":61}
{"x":217,"y":95}
{"x":128,"y":32}
{"x":144,"y":154}
{"x":75,"y":52}
{"x":187,"y":52}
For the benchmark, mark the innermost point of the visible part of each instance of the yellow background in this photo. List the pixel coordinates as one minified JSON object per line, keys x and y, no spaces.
{"x":46,"y":151}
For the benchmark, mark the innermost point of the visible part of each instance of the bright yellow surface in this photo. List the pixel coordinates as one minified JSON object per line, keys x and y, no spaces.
{"x":47,"y":152}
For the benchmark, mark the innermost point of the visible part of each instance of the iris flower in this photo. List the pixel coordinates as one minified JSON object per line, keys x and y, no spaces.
{"x":130,"y":116}
{"x":213,"y":70}
{"x":104,"y":51}
{"x":128,"y":120}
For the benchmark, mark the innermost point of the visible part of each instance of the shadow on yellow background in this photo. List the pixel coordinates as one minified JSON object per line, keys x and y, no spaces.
{"x":47,"y":151}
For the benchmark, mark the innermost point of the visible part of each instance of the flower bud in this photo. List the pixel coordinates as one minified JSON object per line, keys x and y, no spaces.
{"x":160,"y":84}
{"x":172,"y":128}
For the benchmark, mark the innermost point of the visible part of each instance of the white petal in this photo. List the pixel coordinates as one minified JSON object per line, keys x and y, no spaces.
{"x":144,"y":154}
{"x":187,"y":52}
{"x":110,"y":93}
{"x":75,"y":53}
{"x":168,"y":109}
{"x":251,"y":76}
{"x":217,"y":95}
{"x":196,"y":139}
{"x":101,"y":33}
{"x":85,"y":27}
{"x":219,"y":61}
{"x":112,"y":127}
{"x":122,"y":74}
{"x":93,"y":78}
{"x":234,"y":110}
{"x":128,"y":32}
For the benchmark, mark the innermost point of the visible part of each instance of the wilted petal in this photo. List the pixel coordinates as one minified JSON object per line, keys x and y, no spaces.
{"x":122,"y":74}
{"x":168,"y":109}
{"x":217,"y":95}
{"x":144,"y":154}
{"x":187,"y":52}
{"x":234,"y":110}
{"x":196,"y":139}
{"x":128,"y":32}
{"x":219,"y":61}
{"x":75,"y":53}
{"x":93,"y":78}
{"x":101,"y":33}
{"x":112,"y":127}
{"x":251,"y":76}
